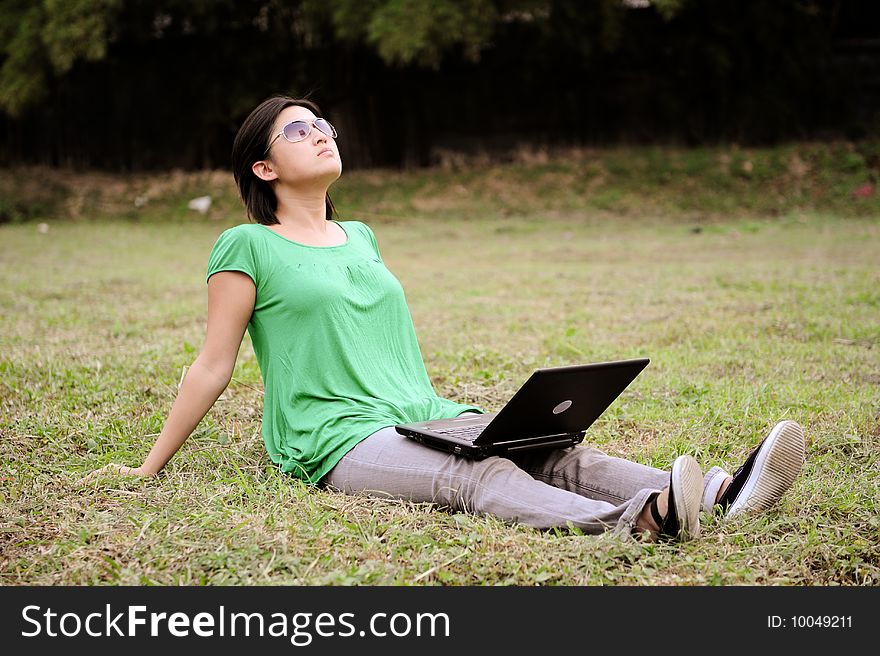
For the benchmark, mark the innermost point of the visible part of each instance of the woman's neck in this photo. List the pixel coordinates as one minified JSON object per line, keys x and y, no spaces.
{"x":302,"y":211}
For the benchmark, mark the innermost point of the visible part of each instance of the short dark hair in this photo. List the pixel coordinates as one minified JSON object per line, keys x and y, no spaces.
{"x":250,"y":145}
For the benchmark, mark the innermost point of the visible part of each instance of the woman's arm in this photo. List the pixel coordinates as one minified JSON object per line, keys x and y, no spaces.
{"x":231,"y":297}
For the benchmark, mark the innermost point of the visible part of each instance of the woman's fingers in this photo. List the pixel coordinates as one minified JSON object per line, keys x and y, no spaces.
{"x":111,"y":469}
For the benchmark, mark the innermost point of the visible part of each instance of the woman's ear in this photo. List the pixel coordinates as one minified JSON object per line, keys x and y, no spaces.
{"x":264,"y":170}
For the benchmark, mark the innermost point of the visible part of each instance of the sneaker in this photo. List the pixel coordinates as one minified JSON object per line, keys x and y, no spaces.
{"x":768,"y":472}
{"x":682,"y":520}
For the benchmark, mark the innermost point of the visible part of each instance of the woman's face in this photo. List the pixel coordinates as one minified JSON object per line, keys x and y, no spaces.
{"x":314,"y":160}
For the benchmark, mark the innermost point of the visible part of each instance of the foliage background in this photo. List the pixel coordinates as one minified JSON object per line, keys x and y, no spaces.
{"x":153,"y":84}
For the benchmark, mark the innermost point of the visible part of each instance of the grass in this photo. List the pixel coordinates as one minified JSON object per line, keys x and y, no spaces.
{"x":748,"y":316}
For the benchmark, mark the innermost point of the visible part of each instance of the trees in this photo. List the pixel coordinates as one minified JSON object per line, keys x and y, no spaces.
{"x":41,"y":39}
{"x":158,"y":83}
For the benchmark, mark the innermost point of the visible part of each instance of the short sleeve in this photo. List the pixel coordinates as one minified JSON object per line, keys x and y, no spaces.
{"x":233,"y":251}
{"x":372,"y":237}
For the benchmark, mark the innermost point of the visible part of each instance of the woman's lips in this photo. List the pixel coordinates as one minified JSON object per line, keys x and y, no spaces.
{"x":325,"y":150}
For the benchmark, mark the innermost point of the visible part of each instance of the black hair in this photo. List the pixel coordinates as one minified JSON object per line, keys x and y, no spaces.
{"x":250,"y":145}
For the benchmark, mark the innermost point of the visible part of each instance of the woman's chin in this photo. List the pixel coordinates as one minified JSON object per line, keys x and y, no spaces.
{"x":321,"y":175}
{"x":335,"y":172}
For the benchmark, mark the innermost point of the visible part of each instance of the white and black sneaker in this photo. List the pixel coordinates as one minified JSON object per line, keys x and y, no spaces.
{"x":682,"y":520}
{"x":768,"y":472}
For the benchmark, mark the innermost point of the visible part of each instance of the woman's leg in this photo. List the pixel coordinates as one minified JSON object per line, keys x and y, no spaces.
{"x":388,"y":464}
{"x":592,"y":473}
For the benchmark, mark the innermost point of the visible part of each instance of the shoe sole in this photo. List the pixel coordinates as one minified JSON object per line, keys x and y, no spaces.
{"x":776,"y":466}
{"x":687,"y":481}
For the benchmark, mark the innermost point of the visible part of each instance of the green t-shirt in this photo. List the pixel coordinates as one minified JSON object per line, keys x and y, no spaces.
{"x":335,"y":342}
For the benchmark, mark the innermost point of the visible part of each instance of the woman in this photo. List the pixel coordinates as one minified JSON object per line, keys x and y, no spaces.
{"x":341,"y":366}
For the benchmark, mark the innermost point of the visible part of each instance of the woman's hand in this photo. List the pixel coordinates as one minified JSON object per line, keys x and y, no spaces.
{"x":112,"y":469}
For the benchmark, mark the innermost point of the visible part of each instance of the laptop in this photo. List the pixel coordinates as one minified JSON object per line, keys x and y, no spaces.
{"x":552,"y":410}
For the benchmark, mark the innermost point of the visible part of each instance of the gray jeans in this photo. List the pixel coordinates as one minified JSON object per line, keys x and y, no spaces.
{"x":545,"y":489}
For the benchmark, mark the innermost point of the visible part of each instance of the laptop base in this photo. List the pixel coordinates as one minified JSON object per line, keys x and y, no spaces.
{"x":482,"y":451}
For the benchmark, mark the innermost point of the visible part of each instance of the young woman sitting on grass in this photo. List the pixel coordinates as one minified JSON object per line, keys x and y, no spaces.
{"x":341,"y":366}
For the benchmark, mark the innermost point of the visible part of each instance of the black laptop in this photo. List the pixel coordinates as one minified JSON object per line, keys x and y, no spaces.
{"x":552,"y":410}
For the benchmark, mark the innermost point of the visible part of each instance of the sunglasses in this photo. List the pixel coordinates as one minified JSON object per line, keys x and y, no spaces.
{"x":299,"y":130}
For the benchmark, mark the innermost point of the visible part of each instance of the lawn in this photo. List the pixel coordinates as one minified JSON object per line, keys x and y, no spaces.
{"x":748,"y":318}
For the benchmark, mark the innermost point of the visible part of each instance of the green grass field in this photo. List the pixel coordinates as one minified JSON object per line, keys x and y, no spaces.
{"x":748,"y":317}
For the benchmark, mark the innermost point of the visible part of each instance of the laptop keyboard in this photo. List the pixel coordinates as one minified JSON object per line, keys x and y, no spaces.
{"x":467,"y":433}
